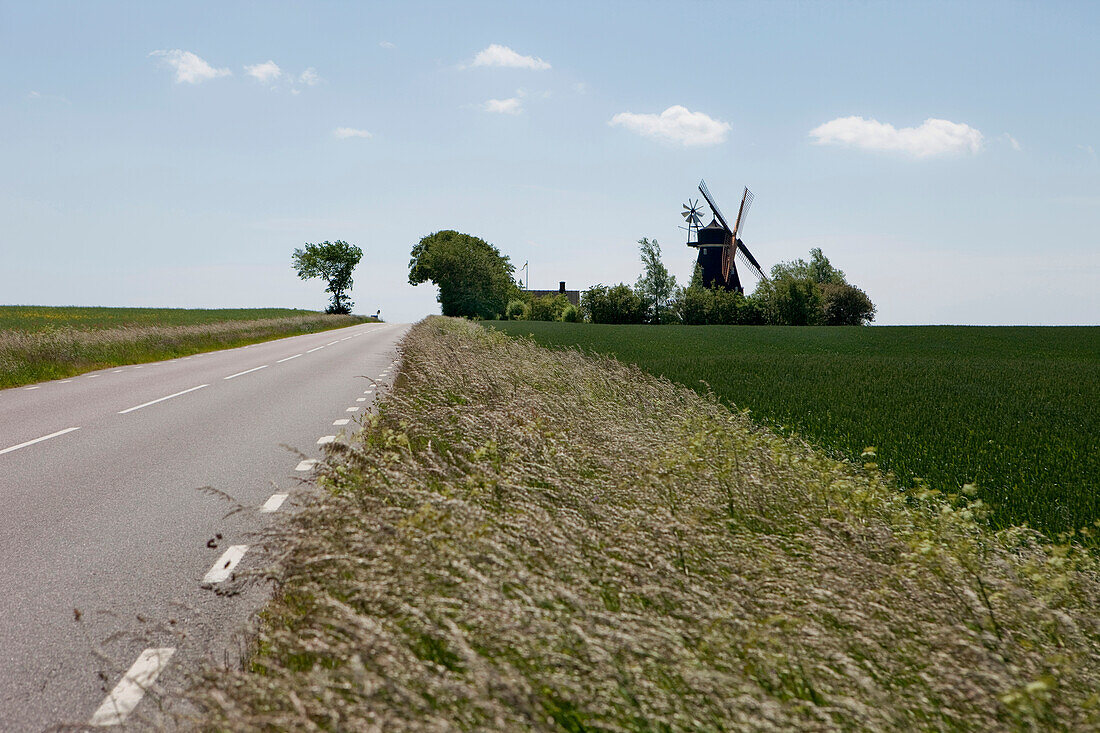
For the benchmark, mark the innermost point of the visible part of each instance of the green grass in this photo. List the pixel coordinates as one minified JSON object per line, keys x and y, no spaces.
{"x":1014,"y":409}
{"x":39,"y":343}
{"x":41,"y":318}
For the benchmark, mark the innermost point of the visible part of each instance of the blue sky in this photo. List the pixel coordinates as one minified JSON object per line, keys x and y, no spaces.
{"x":150,"y":155}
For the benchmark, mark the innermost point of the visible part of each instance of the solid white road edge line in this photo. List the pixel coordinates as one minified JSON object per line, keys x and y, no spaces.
{"x":131,"y":688}
{"x":161,"y":399}
{"x":225,"y":564}
{"x":273,"y":504}
{"x":306,"y":465}
{"x":341,"y":421}
{"x":247,"y":371}
{"x":288,"y":358}
{"x":326,"y":439}
{"x":38,"y":440}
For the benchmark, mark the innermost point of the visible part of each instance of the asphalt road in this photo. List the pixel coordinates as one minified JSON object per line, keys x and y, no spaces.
{"x":107,"y":576}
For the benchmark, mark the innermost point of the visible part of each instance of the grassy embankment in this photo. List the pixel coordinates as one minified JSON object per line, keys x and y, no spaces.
{"x":525,"y":539}
{"x":38,"y":343}
{"x":1014,"y":410}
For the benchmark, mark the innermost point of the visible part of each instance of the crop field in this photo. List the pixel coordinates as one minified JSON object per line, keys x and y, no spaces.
{"x":38,"y":343}
{"x":42,"y":318}
{"x":1014,"y":410}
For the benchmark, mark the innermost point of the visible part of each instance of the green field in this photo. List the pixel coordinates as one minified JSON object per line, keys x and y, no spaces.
{"x":39,"y":343}
{"x":1014,"y":409}
{"x":41,"y":318}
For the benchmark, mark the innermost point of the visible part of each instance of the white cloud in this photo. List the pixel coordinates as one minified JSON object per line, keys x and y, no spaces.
{"x":344,"y":133}
{"x":266,"y":73}
{"x":676,"y":124}
{"x":189,"y":67}
{"x":1091,"y":151}
{"x":497,"y":55}
{"x":1012,"y":141}
{"x":309,"y":77}
{"x":387,"y":44}
{"x":512,"y":106}
{"x":933,"y":137}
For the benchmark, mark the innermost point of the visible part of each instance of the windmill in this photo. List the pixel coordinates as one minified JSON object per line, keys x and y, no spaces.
{"x":719,"y":245}
{"x":691,"y":214}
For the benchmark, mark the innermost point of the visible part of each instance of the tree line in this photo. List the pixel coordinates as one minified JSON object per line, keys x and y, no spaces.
{"x":476,"y":281}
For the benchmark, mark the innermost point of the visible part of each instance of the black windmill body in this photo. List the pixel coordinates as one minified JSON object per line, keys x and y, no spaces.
{"x":719,"y":244}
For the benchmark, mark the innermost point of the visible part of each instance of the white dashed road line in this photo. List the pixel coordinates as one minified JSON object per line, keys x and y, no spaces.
{"x":330,"y":343}
{"x":341,"y":421}
{"x":360,"y":399}
{"x":223,"y":568}
{"x":162,"y":399}
{"x":247,"y":371}
{"x":35,"y":386}
{"x":369,"y":391}
{"x":131,"y":688}
{"x":37,"y":440}
{"x":273,"y":504}
{"x":93,"y":376}
{"x":352,"y":409}
{"x":317,"y":349}
{"x":326,"y":439}
{"x":288,"y":358}
{"x":65,"y":381}
{"x":306,"y":465}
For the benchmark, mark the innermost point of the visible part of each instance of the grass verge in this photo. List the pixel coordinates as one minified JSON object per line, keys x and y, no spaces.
{"x":1014,"y":410}
{"x":524,"y":539}
{"x":38,"y":354}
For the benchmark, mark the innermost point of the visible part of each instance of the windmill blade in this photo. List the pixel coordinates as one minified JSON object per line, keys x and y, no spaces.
{"x":746,"y":201}
{"x":713,"y":206}
{"x":750,"y":260}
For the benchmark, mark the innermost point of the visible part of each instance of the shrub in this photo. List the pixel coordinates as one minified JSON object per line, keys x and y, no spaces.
{"x":845,"y":305}
{"x":695,"y":305}
{"x":547,"y":308}
{"x":612,"y":304}
{"x":790,"y":301}
{"x":516,"y":310}
{"x":571,"y":314}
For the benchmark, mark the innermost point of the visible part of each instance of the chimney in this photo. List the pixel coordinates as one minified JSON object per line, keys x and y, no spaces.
{"x":561,"y":287}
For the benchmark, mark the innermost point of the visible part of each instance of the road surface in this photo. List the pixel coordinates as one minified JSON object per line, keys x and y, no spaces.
{"x":110,"y":554}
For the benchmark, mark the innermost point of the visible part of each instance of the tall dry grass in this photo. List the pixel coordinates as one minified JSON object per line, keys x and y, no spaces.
{"x":33,"y":356}
{"x":531,"y":540}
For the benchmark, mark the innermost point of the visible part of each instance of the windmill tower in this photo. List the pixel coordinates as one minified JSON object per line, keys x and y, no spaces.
{"x":719,"y":245}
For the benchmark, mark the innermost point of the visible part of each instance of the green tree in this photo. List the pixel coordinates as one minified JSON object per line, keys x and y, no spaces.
{"x":790,"y":301}
{"x":474,"y":278}
{"x":845,"y":305}
{"x":547,"y":308}
{"x":333,"y":262}
{"x":656,"y":286}
{"x":817,"y":270}
{"x":612,"y":304}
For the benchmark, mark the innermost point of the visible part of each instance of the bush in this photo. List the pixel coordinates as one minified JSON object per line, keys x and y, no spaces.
{"x":790,"y":301}
{"x":547,"y":308}
{"x":571,"y":314}
{"x":845,"y":305}
{"x":695,"y":305}
{"x":516,"y":311}
{"x":612,"y":304}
